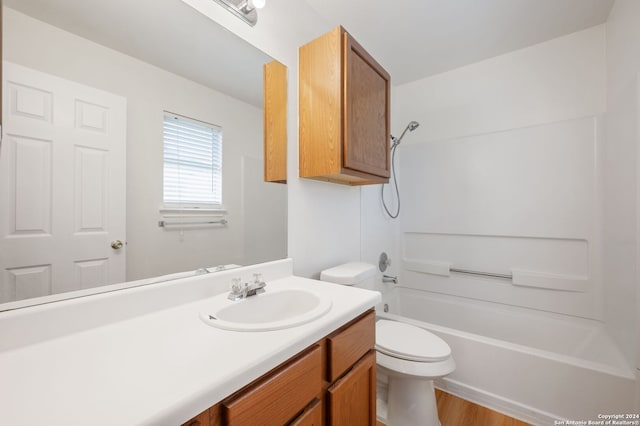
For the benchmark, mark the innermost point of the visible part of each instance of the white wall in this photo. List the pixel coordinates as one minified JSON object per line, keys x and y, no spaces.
{"x":552,"y":81}
{"x":380,"y":233}
{"x":557,"y":80}
{"x":504,"y":173}
{"x":324,"y":218}
{"x":150,"y":91}
{"x":621,"y":211}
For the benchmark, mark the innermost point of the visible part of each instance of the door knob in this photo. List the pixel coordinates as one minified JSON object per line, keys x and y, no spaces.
{"x":116,"y":245}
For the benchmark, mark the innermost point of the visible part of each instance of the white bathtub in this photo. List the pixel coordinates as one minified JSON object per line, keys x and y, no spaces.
{"x":535,"y":366}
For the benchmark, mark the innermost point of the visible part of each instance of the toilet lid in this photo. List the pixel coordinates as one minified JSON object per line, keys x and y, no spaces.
{"x":409,"y":342}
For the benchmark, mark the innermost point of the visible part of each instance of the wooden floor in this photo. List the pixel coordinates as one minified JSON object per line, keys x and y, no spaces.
{"x":454,"y":411}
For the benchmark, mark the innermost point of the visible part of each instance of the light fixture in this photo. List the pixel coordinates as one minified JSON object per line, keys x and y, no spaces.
{"x":243,"y":9}
{"x":248,"y":5}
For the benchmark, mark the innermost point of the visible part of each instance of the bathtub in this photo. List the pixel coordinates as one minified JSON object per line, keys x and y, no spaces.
{"x":535,"y":366}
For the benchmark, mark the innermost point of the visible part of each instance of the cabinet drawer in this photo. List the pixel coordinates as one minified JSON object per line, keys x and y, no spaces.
{"x":349,"y":344}
{"x":312,"y":416}
{"x":278,"y":397}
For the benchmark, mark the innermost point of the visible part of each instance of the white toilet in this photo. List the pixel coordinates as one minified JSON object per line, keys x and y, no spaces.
{"x":408,"y":358}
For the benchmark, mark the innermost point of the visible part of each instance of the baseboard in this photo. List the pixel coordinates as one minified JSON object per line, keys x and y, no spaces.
{"x":495,"y":402}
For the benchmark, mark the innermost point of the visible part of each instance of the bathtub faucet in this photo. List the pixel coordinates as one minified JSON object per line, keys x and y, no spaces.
{"x":389,"y":279}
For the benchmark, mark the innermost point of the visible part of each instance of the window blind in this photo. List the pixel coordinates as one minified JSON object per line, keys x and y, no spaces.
{"x":192,"y":162}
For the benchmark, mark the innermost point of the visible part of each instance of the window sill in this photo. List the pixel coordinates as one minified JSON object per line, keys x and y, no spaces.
{"x":192,"y":210}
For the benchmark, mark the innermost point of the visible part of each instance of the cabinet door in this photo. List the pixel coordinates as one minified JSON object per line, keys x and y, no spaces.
{"x":275,"y":122}
{"x":366,"y":109}
{"x":352,"y":399}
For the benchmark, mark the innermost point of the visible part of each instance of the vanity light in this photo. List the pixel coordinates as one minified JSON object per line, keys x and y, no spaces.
{"x":248,"y":5}
{"x":243,"y":9}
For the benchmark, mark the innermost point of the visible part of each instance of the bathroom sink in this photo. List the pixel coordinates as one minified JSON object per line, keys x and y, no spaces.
{"x":272,"y":310}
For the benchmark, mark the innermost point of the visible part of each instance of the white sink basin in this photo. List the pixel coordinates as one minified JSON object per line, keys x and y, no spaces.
{"x":272,"y":310}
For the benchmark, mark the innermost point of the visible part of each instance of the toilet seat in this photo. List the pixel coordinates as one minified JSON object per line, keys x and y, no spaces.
{"x":411,"y":343}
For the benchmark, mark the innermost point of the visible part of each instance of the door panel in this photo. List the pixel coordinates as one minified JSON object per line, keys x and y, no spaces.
{"x":29,"y":184}
{"x":62,"y":185}
{"x":90,"y":195}
{"x":29,"y":282}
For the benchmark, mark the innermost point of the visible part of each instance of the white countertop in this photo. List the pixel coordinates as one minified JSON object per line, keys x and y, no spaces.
{"x":157,"y":368}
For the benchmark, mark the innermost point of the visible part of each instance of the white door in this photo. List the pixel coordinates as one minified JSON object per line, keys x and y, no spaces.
{"x":62,"y":185}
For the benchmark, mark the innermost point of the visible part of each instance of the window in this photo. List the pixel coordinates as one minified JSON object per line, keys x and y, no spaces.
{"x":192,"y":163}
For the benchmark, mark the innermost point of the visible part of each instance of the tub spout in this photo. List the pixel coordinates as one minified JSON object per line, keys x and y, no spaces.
{"x":389,"y":279}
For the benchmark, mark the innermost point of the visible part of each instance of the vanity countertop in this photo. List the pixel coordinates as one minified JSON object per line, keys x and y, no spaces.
{"x":157,"y":368}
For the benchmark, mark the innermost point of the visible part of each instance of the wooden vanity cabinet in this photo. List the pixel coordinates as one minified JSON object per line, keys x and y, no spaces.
{"x":332,"y":382}
{"x":344,"y":99}
{"x":351,"y":370}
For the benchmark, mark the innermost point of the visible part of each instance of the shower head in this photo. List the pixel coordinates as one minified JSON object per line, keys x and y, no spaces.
{"x":410,"y":127}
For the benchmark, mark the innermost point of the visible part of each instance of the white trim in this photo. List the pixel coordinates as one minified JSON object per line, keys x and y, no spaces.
{"x":495,"y":402}
{"x":192,"y":210}
{"x":193,"y":120}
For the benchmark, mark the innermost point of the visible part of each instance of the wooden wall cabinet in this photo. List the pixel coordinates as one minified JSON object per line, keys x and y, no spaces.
{"x":332,"y":382}
{"x":344,"y":99}
{"x":275,"y":122}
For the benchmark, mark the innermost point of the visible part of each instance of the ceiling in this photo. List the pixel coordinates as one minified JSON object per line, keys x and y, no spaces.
{"x":414,"y":39}
{"x":166,"y":33}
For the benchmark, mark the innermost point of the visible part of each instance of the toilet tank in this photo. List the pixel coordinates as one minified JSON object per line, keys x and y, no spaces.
{"x":359,"y":274}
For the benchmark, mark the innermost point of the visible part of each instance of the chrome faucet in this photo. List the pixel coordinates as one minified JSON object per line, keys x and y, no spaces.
{"x":239,"y":291}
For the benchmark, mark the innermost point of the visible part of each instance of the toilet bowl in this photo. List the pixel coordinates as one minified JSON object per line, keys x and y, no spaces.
{"x":408,"y":359}
{"x":411,"y":358}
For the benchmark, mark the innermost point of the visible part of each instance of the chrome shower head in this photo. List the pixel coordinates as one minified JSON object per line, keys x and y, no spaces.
{"x":410,"y":127}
